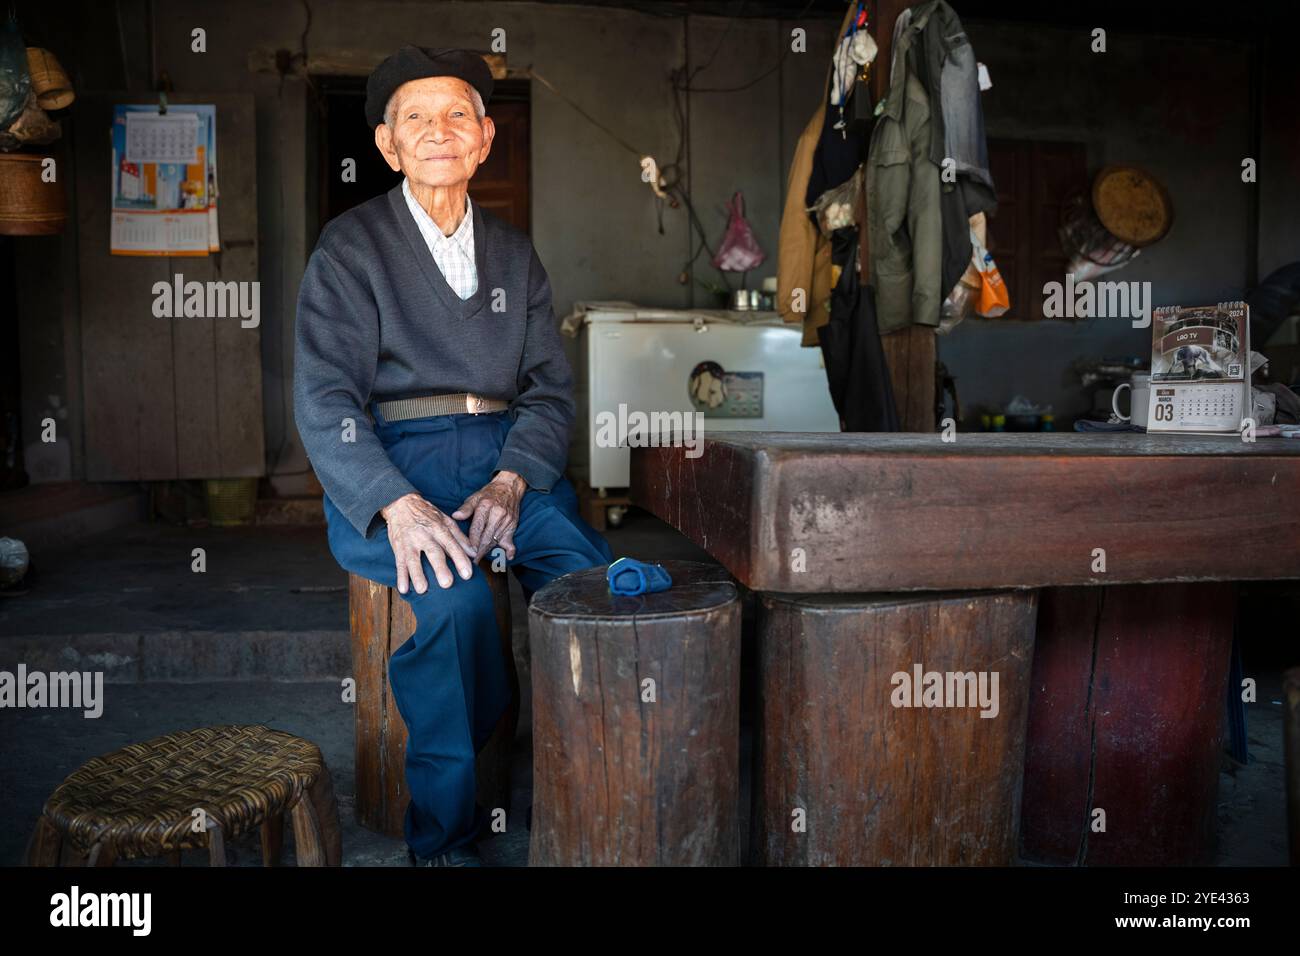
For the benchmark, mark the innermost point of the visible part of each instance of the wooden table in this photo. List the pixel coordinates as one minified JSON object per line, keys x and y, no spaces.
{"x":1102,"y":535}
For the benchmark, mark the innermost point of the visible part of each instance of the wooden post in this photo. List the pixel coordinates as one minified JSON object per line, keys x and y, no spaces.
{"x":844,"y":775}
{"x":636,"y":722}
{"x":381,"y":621}
{"x":911,"y":356}
{"x":911,"y":352}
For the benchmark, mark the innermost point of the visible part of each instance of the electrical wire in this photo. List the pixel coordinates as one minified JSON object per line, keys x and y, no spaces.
{"x":687,"y":88}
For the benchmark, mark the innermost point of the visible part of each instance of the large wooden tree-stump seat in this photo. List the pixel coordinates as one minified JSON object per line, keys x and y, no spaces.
{"x":144,"y":799}
{"x":845,"y":777}
{"x":1127,"y":718}
{"x":636,"y":721}
{"x":381,"y":621}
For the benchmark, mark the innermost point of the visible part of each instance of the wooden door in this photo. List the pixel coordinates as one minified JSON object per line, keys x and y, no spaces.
{"x":501,"y":184}
{"x":167,"y":398}
{"x":1033,"y":179}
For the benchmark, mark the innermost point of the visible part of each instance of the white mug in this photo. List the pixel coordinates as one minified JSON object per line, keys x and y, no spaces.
{"x":1139,"y":395}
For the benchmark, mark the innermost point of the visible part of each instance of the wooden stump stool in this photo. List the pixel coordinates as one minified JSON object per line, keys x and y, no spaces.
{"x":143,"y":800}
{"x":845,"y":777}
{"x":381,"y":621}
{"x":636,"y":722}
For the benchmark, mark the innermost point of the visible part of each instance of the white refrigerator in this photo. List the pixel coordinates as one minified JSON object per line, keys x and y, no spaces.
{"x":744,"y":371}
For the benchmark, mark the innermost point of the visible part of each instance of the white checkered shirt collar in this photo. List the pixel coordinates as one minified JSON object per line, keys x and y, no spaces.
{"x":454,"y":254}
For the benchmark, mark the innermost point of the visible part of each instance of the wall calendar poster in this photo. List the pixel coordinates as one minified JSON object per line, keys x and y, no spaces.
{"x":164,"y":180}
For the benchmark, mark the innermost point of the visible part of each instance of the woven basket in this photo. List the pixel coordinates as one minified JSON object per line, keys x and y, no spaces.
{"x":28,"y":206}
{"x":231,"y":501}
{"x":1132,"y":204}
{"x":50,"y":81}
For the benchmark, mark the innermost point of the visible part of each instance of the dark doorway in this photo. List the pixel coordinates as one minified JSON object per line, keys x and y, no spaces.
{"x":500,"y":186}
{"x":12,"y":473}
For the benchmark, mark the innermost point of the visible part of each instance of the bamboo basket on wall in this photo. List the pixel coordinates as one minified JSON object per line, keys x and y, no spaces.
{"x":50,"y":81}
{"x":29,"y":206}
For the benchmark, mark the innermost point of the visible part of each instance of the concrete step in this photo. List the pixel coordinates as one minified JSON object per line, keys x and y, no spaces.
{"x":184,"y":656}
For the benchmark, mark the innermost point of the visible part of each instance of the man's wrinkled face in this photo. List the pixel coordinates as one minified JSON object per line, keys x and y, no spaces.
{"x":435,"y":139}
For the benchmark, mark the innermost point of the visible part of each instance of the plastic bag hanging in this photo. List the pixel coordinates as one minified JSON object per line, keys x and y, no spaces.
{"x":992,"y":299}
{"x":739,"y":251}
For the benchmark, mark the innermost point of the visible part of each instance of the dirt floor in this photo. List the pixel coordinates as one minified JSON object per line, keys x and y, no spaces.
{"x":261,"y":637}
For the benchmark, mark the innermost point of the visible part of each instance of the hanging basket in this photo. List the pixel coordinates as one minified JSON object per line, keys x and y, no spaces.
{"x":1132,"y":204}
{"x":1104,"y":227}
{"x":50,"y":81}
{"x":29,"y":206}
{"x":231,"y":501}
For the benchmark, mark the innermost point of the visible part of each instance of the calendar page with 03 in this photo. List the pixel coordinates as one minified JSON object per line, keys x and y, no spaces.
{"x":1200,"y":371}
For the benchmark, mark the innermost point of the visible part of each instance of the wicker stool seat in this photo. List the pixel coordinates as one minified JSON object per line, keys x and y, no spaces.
{"x":144,"y":799}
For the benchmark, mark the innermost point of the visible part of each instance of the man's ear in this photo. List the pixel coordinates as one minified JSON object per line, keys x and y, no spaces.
{"x":489,"y":133}
{"x":384,"y":140}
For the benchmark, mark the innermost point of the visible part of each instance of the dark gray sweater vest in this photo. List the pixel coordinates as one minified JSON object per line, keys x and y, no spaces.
{"x":377,"y":321}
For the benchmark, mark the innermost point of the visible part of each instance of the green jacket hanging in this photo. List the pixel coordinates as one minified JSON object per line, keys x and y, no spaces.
{"x":903,"y":196}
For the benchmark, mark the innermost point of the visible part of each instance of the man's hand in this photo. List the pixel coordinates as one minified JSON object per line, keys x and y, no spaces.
{"x":415,"y":528}
{"x":495,"y":509}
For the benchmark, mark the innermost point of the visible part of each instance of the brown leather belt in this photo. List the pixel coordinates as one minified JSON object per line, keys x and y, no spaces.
{"x":460,"y":403}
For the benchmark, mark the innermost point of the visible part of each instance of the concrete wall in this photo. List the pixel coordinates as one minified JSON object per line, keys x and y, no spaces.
{"x":1148,"y":101}
{"x":1279,"y":160}
{"x":1177,"y":106}
{"x":594,"y":223}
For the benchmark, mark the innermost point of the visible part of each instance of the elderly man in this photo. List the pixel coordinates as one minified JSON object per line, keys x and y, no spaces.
{"x":435,"y":317}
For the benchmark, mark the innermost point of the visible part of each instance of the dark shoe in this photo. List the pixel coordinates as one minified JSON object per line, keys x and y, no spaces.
{"x":460,"y":856}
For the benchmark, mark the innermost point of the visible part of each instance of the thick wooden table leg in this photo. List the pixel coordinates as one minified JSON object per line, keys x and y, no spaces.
{"x":853,"y":768}
{"x":1126,"y":724}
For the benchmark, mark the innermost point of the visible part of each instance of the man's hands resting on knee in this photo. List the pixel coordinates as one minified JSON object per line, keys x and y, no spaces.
{"x":417,"y":528}
{"x":495,"y":512}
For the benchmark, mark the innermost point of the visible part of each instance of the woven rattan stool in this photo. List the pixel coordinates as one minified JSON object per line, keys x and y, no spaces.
{"x":144,"y":799}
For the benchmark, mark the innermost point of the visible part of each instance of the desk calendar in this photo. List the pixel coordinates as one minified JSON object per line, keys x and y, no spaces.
{"x":1200,"y":369}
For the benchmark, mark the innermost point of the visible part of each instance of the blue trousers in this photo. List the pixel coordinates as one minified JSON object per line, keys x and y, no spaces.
{"x":449,"y":677}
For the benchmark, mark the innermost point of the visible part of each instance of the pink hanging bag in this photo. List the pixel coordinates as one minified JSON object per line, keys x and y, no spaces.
{"x":739,"y":251}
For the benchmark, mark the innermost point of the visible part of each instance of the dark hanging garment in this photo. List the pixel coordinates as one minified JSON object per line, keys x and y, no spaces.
{"x":837,"y":157}
{"x":855,"y":360}
{"x":946,"y":66}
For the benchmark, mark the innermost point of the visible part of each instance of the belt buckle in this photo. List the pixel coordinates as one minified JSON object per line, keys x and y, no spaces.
{"x":474,"y":404}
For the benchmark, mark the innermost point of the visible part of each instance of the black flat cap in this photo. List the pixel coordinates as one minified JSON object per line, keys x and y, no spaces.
{"x":416,"y":63}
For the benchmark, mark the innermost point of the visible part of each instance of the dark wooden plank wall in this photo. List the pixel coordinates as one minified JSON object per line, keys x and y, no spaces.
{"x":167,"y":398}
